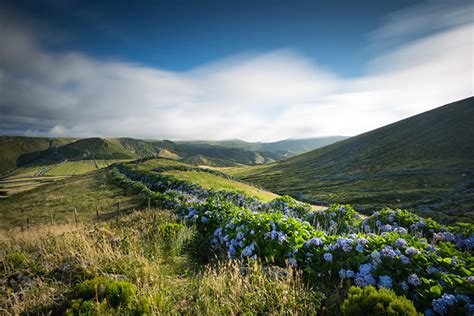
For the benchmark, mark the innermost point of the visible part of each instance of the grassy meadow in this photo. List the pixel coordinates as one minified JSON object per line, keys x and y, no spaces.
{"x":29,"y":177}
{"x":154,"y":260}
{"x":59,"y":198}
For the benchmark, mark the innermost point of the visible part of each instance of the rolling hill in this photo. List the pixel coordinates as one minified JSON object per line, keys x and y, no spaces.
{"x":13,"y":147}
{"x":30,"y":151}
{"x":89,"y":148}
{"x":286,"y":148}
{"x":425,"y":162}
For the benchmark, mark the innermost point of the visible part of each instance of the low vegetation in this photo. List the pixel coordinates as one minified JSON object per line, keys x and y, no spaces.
{"x":133,"y":265}
{"x":204,"y":250}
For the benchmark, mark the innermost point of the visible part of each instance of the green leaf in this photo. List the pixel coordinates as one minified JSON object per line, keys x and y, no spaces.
{"x":447,"y":260}
{"x":436,"y":289}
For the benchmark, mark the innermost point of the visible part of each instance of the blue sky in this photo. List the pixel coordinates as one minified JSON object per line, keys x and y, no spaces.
{"x":179,"y":35}
{"x":256,"y":70}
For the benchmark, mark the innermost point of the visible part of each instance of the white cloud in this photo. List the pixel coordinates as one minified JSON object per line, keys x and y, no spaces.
{"x":270,"y":96}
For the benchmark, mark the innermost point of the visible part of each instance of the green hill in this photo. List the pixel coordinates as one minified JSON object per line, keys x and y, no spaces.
{"x":286,"y":148}
{"x":424,"y":162}
{"x":13,"y":147}
{"x":89,"y":148}
{"x":25,"y":151}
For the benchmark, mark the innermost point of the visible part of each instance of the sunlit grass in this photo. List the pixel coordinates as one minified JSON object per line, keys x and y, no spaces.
{"x":210,"y":181}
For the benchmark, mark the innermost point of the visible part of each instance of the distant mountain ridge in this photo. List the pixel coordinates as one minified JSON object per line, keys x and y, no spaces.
{"x":17,"y":151}
{"x":288,"y":147}
{"x":425,"y":162}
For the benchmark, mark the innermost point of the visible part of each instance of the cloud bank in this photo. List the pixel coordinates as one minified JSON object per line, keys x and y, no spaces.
{"x":264,"y":97}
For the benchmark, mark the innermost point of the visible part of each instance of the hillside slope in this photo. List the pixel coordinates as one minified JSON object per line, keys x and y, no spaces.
{"x":88,"y":148}
{"x":13,"y":147}
{"x":424,"y":162}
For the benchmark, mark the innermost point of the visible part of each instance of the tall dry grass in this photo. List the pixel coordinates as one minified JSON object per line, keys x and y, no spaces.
{"x":40,"y":268}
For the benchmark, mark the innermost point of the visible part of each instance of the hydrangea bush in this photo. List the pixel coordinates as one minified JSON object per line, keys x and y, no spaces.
{"x":392,"y":249}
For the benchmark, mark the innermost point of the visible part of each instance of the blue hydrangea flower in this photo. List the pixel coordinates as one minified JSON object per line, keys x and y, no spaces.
{"x":292,"y":262}
{"x":401,"y":243}
{"x":385,"y":281}
{"x":366,"y":268}
{"x":440,"y":305}
{"x":360,"y":248}
{"x":370,"y":279}
{"x":328,"y":257}
{"x":316,"y":241}
{"x":360,"y":281}
{"x":412,"y":251}
{"x":342,"y":273}
{"x":414,"y":280}
{"x":463,"y":297}
{"x":404,"y":286}
{"x":240,"y":236}
{"x":432,"y":269}
{"x":232,"y":251}
{"x":247,"y":252}
{"x":405,"y":259}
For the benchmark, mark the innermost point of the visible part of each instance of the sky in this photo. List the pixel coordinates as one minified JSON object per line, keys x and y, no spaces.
{"x":254,"y":70}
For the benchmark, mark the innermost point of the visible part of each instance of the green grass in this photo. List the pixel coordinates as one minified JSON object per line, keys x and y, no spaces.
{"x":78,"y":167}
{"x":210,"y":181}
{"x":72,"y":168}
{"x":26,"y":178}
{"x":59,"y":199}
{"x":151,"y":164}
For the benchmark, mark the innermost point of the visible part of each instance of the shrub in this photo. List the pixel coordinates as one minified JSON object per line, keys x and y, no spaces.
{"x":370,"y":301}
{"x":91,"y":289}
{"x":117,"y":293}
{"x":81,"y":307}
{"x":169,"y":231}
{"x":120,"y":293}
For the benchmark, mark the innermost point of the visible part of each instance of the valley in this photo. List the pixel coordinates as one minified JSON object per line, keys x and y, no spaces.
{"x":168,"y":228}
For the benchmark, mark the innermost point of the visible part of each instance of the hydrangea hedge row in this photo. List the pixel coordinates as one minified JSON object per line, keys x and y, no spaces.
{"x":393,"y":249}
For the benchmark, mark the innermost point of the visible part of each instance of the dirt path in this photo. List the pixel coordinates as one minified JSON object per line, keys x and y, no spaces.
{"x":43,"y":170}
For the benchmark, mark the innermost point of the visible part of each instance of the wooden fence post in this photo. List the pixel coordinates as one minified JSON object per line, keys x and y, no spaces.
{"x":75,"y":216}
{"x":149,"y":203}
{"x":97,"y":212}
{"x":118,"y":209}
{"x":51,"y":218}
{"x":27,"y":223}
